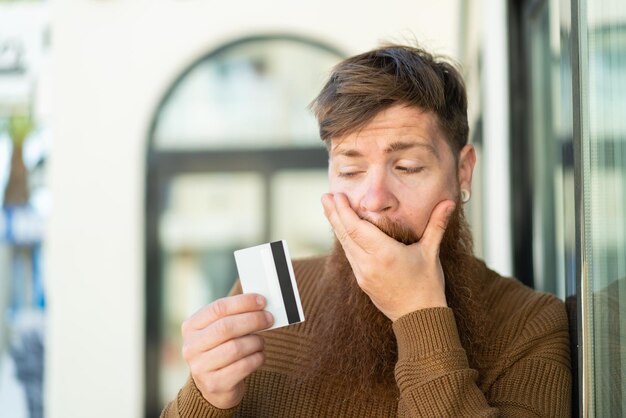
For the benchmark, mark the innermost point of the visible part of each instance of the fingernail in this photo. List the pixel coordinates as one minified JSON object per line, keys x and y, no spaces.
{"x":449,"y":209}
{"x":269,"y":317}
{"x":260,"y":300}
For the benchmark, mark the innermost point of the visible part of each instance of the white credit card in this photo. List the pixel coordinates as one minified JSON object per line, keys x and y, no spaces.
{"x":266,"y":269}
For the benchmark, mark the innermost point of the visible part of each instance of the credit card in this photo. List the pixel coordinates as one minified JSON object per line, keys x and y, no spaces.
{"x":267,"y":270}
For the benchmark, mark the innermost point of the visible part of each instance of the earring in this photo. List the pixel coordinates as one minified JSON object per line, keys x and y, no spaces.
{"x":465,"y":196}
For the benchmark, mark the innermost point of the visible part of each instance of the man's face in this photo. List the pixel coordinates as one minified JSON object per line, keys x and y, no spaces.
{"x":399,"y":167}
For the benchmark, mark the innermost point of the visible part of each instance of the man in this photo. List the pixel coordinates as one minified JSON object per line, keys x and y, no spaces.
{"x":402,"y":320}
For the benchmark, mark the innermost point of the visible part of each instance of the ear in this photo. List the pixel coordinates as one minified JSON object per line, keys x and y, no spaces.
{"x":465,"y":169}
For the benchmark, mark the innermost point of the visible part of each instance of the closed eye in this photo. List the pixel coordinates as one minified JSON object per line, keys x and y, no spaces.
{"x":409,"y":170}
{"x":349,"y":173}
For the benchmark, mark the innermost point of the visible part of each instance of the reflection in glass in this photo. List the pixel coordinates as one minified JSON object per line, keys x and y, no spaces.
{"x":604,"y":193}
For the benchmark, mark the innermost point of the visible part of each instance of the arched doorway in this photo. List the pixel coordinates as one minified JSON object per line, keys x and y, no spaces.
{"x":234,"y":160}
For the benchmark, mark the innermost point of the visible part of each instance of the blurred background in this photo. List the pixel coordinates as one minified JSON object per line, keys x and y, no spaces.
{"x":142,"y":142}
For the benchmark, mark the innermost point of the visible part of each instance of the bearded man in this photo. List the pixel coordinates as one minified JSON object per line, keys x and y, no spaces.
{"x":402,"y":319}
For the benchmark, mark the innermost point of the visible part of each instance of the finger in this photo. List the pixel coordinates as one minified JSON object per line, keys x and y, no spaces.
{"x":330,"y":211}
{"x":437,"y":224}
{"x":225,"y":329}
{"x":363,"y":233}
{"x":229,"y":376}
{"x":222,"y":331}
{"x":228,"y":328}
{"x":221,"y":308}
{"x":232,"y":351}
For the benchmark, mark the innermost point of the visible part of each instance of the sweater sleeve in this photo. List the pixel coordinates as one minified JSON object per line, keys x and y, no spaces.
{"x":432,"y":372}
{"x":535,"y":377}
{"x":435,"y":379}
{"x":190,"y":404}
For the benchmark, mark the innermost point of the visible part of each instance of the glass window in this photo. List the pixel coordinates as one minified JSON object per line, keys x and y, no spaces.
{"x":253,"y":94}
{"x":603,"y":141}
{"x":296,"y":197}
{"x":206,"y":218}
{"x":546,"y":163}
{"x":548,"y":171}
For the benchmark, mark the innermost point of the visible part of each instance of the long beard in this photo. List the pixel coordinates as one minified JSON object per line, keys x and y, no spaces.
{"x":353,"y":342}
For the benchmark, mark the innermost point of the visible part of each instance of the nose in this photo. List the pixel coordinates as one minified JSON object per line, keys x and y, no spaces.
{"x":378,"y":196}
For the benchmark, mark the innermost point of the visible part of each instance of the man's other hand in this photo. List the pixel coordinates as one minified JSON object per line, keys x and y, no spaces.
{"x":220,"y":348}
{"x":398,"y":278}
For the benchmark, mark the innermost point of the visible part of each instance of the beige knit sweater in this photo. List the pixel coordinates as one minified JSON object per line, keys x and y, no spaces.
{"x":527,"y":372}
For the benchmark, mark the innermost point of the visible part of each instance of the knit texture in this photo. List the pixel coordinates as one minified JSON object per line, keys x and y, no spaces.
{"x":525,"y":371}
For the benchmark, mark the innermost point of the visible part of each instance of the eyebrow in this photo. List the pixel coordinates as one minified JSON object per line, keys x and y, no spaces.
{"x":350,"y":153}
{"x":393,"y":147}
{"x":402,"y":146}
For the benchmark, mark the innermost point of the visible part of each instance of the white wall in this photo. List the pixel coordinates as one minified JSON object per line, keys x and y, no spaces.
{"x":112,"y":61}
{"x":497,"y":180}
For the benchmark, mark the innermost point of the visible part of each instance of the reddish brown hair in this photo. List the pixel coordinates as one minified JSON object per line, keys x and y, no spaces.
{"x":362,"y":86}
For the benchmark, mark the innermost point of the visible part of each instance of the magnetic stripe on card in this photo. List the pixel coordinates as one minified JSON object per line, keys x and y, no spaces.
{"x":284,"y":279}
